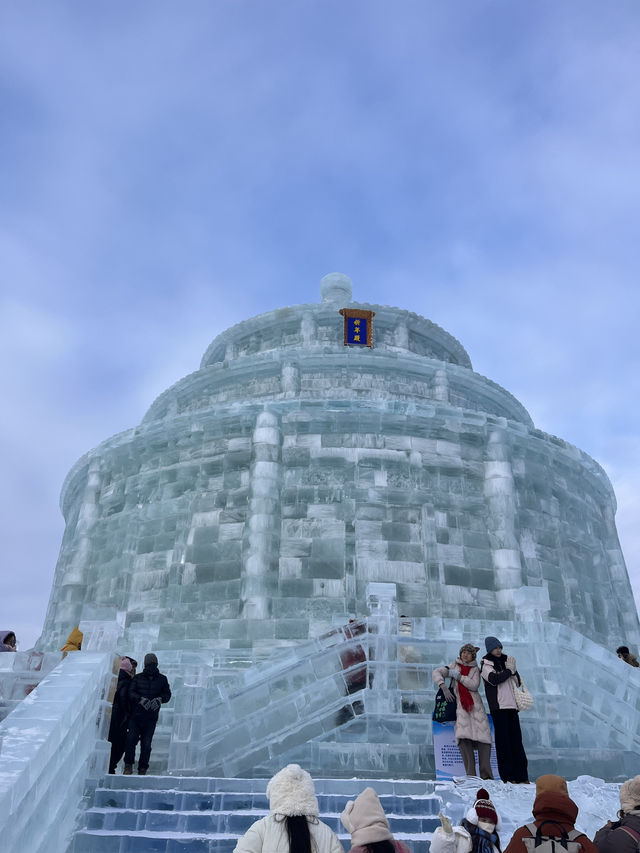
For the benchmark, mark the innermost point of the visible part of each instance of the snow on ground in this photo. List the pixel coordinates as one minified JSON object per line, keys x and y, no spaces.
{"x":597,"y":801}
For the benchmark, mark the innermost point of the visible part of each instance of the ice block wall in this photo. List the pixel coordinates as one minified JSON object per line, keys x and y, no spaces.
{"x":305,"y":705}
{"x":49,"y":745}
{"x":261,"y":494}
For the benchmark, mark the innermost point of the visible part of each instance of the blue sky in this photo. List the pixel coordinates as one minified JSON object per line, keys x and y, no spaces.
{"x":169,"y":169}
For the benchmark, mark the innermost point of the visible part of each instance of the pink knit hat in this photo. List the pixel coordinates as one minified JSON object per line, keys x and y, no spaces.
{"x":125,"y":664}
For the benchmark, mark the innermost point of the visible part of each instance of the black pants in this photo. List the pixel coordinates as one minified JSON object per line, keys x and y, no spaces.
{"x":141,"y":728}
{"x":118,"y":738}
{"x":512,"y":759}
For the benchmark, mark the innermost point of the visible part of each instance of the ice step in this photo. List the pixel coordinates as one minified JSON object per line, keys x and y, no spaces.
{"x":166,"y":814}
{"x":195,"y":801}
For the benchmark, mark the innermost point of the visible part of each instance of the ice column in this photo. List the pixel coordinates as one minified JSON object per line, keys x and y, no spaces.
{"x":499,"y":489}
{"x":87,"y":517}
{"x":619,"y":579}
{"x":381,"y":600}
{"x":441,"y":386}
{"x":262,"y":541}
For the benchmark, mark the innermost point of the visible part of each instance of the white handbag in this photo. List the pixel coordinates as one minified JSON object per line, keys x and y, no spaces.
{"x":524,"y":699}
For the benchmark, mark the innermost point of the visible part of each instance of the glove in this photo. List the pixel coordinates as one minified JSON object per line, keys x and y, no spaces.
{"x":453,"y":673}
{"x":511,"y":664}
{"x":446,"y":824}
{"x":448,"y":695}
{"x":154,"y":705}
{"x":145,"y":703}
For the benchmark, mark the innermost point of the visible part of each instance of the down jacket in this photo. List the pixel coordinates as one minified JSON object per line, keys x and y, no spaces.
{"x":290,"y":792}
{"x":148,"y":684}
{"x":498,"y":683}
{"x":269,"y":835}
{"x":460,"y":841}
{"x":551,"y":806}
{"x":469,"y":725}
{"x":612,"y":838}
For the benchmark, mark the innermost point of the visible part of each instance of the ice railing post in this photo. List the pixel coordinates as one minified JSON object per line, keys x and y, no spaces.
{"x":381,"y":600}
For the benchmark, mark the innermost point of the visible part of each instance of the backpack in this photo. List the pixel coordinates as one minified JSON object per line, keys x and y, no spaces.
{"x":539,"y":843}
{"x":632,"y":833}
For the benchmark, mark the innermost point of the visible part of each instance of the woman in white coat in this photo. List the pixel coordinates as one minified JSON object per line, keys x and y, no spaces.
{"x":478,"y":832}
{"x":472,"y":724}
{"x":292,"y":823}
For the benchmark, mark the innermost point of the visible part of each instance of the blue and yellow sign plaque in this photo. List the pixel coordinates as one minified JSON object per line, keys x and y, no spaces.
{"x":358,"y":327}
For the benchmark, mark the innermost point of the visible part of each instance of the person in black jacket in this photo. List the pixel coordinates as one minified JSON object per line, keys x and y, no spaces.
{"x":120,"y":714}
{"x":148,"y":690}
{"x":499,"y":672}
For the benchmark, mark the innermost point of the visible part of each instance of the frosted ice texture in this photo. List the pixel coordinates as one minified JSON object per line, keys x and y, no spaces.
{"x":297,"y":707}
{"x":50,"y":743}
{"x":261,"y":494}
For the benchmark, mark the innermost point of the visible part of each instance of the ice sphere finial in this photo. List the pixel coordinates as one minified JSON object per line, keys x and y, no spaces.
{"x":336,"y":287}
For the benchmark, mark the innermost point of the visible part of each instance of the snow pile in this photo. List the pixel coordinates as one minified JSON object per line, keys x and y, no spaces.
{"x":597,"y":801}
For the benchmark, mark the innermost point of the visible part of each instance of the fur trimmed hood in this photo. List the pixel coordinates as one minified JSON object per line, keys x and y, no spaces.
{"x":292,"y":792}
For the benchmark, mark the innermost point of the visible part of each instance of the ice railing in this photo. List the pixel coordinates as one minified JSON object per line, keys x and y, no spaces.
{"x":50,"y":744}
{"x":20,"y":673}
{"x":306,"y":693}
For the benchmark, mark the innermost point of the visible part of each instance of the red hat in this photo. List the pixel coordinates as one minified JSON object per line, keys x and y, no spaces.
{"x":484,"y":807}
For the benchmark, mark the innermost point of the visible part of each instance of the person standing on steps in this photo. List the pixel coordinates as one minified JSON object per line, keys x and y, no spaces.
{"x":292,"y":825}
{"x":471,"y":727}
{"x":365,"y":820}
{"x":478,"y":832}
{"x":498,"y":672}
{"x":554,"y":821}
{"x":148,"y":690}
{"x":120,"y":714}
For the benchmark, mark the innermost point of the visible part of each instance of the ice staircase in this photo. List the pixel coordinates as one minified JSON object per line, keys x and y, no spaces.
{"x":169,"y":814}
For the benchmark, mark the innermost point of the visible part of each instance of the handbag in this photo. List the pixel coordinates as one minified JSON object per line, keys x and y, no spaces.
{"x":524,"y":699}
{"x":443,"y":711}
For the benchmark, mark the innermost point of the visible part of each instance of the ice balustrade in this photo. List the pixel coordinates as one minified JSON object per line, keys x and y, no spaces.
{"x":50,"y":745}
{"x":20,"y":673}
{"x":300,"y":705}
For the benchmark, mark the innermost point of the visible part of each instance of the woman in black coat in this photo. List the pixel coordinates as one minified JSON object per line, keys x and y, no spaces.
{"x":120,"y":714}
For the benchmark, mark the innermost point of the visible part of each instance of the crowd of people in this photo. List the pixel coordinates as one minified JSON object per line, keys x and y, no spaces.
{"x":293,"y":824}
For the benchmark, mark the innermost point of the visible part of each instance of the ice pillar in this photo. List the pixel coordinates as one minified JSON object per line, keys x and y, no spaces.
{"x":500,"y":492}
{"x":262,"y":540}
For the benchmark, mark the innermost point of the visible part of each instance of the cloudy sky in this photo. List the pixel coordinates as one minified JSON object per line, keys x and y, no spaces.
{"x":168,"y":169}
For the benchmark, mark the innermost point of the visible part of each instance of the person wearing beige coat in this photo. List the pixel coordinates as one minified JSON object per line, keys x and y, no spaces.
{"x":292,"y":823}
{"x":471,"y":728}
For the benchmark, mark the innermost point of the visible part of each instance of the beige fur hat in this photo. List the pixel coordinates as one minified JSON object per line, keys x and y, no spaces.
{"x":292,"y":792}
{"x":365,"y":819}
{"x":630,"y":794}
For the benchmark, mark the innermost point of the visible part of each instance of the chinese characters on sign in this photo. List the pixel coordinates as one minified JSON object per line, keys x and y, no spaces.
{"x":358,"y":327}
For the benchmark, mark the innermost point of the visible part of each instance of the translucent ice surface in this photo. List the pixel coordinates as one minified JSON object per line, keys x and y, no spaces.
{"x":49,"y":744}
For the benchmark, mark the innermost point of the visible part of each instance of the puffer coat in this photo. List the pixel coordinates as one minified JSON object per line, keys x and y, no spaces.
{"x":473,"y":724}
{"x":613,"y":838}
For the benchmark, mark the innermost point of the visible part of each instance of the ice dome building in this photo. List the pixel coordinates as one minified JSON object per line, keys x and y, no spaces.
{"x":301,"y":478}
